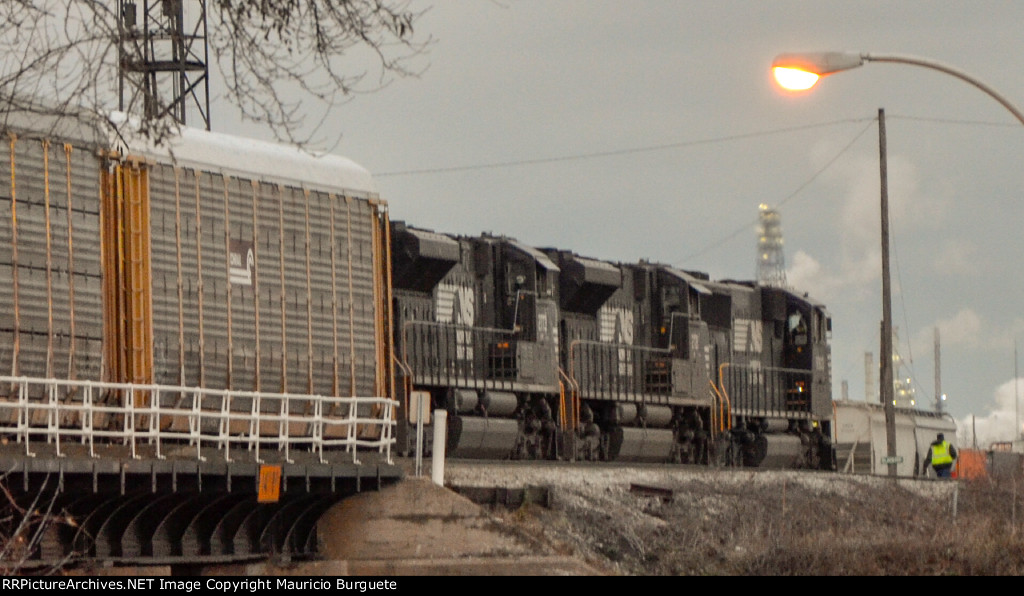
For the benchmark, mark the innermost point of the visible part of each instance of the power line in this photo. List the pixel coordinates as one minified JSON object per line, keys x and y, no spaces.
{"x":667,"y":146}
{"x":955,"y":121}
{"x":613,"y":152}
{"x":793,"y":194}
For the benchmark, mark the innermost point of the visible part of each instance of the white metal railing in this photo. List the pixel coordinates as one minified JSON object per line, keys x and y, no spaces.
{"x":55,"y":410}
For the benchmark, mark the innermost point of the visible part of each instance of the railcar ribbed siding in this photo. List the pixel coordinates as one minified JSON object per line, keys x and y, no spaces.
{"x":78,"y":301}
{"x":53,"y":293}
{"x":285,"y":332}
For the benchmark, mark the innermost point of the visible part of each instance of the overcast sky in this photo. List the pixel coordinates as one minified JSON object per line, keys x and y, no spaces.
{"x":652,"y":129}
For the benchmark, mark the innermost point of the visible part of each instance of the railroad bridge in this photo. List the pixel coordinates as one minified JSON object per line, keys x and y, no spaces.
{"x":142,"y":490}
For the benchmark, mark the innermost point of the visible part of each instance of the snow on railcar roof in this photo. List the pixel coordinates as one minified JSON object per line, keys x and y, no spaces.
{"x":251,"y":158}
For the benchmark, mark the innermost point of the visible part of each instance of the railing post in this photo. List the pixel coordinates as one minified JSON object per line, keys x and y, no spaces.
{"x":87,"y":402}
{"x":154,"y":427}
{"x":23,"y":422}
{"x":318,"y":427}
{"x":53,"y":415}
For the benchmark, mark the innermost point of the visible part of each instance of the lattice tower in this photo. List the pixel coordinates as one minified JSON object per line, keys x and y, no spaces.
{"x":163,"y":66}
{"x":771,"y":262}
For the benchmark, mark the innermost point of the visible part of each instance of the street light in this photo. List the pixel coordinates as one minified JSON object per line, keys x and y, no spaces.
{"x":800,"y":71}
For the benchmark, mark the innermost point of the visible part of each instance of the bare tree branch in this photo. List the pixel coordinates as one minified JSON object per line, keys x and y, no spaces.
{"x":281,"y":61}
{"x":22,"y":529}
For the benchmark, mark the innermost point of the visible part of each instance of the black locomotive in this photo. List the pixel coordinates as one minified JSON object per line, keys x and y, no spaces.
{"x":540,"y":353}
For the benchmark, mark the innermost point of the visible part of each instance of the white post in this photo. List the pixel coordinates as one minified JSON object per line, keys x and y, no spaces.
{"x":440,"y":438}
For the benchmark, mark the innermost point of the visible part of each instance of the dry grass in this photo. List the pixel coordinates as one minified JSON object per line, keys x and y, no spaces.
{"x":779,"y":525}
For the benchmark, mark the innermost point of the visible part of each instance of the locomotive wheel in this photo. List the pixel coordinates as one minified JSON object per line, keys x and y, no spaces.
{"x":755,"y":451}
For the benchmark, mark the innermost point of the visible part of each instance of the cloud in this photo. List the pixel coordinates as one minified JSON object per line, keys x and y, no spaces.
{"x":956,"y":257}
{"x":1000,"y":422}
{"x":853,"y":278}
{"x":963,"y":330}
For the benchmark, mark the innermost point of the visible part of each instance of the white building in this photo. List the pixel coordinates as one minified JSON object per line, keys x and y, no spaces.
{"x":858,"y":433}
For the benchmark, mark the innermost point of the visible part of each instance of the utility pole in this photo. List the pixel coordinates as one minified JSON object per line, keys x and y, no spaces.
{"x":885,"y":383}
{"x":938,"y":374}
{"x":869,"y":378}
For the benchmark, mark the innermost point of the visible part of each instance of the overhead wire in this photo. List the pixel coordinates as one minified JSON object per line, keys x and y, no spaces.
{"x":799,"y":189}
{"x":1015,"y":125}
{"x":675,"y":145}
{"x":914,"y":379}
{"x":613,"y":152}
{"x":909,"y":361}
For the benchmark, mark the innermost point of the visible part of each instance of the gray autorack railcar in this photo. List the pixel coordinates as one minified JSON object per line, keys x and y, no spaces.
{"x":195,"y":340}
{"x":254,"y":273}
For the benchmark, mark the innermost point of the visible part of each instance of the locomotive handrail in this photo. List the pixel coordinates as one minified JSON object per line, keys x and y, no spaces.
{"x":456,"y":326}
{"x":469,"y":336}
{"x":766,"y":390}
{"x":726,"y":413}
{"x":573,"y":397}
{"x":608,"y":346}
{"x":716,"y":422}
{"x":407,"y":381}
{"x":515,"y":310}
{"x":208,"y":416}
{"x":595,"y":342}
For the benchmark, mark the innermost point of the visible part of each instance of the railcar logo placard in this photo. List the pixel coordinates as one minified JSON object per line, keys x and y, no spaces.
{"x":241,"y":263}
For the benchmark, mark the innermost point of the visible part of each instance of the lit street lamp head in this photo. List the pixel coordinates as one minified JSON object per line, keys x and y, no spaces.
{"x":800,"y":71}
{"x":794,"y":79}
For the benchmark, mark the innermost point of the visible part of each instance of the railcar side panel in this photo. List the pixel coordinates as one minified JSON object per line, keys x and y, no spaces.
{"x":264,"y":287}
{"x":50,"y":267}
{"x":132,"y":268}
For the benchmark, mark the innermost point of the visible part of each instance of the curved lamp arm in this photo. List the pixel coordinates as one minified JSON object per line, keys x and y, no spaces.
{"x":824,"y":63}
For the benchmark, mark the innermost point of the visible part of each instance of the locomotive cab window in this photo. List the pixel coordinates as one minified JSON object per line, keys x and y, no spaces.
{"x":542,"y":285}
{"x":797,"y":328}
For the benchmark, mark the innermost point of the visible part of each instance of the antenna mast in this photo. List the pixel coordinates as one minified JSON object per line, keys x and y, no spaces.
{"x":163,"y":59}
{"x":771,"y":262}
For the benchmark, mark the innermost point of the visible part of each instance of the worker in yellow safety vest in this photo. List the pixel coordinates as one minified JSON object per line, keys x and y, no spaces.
{"x":941,"y":455}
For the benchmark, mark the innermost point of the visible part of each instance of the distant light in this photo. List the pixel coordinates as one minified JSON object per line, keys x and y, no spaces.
{"x":794,"y":79}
